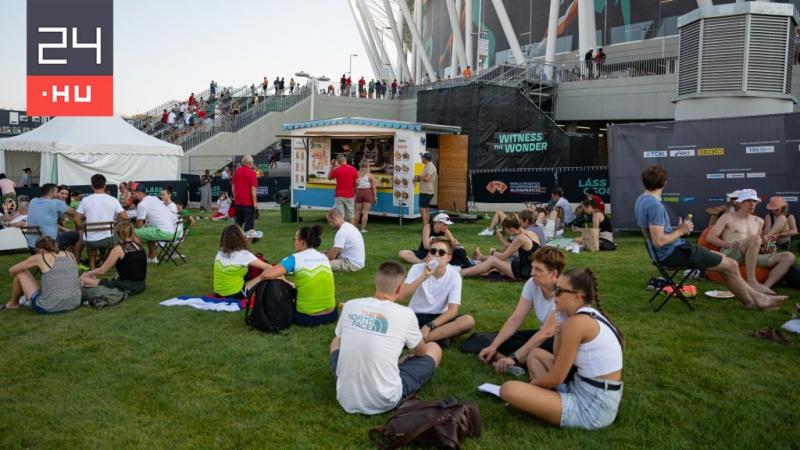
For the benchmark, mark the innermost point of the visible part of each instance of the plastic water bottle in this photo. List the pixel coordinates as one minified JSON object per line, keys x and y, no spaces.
{"x":433,"y":264}
{"x":516,"y":371}
{"x":560,"y":318}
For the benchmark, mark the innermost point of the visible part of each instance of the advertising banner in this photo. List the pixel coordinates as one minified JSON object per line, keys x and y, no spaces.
{"x":319,"y":160}
{"x":508,"y":186}
{"x":705,"y":159}
{"x":299,"y":164}
{"x":575,"y":181}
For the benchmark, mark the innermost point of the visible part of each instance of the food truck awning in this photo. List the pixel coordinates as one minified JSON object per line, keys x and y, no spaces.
{"x":361,"y":121}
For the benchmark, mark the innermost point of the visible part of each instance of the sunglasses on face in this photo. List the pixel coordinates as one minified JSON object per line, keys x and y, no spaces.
{"x":559,"y":290}
{"x":438,"y":251}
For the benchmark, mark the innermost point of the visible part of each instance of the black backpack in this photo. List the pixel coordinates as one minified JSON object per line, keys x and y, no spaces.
{"x":270,"y":306}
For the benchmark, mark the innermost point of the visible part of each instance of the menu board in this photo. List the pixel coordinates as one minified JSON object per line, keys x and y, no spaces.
{"x":403,"y":177}
{"x":319,"y":159}
{"x":299,"y":164}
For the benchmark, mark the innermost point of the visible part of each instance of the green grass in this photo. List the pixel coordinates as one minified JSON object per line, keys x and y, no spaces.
{"x":140,"y":375}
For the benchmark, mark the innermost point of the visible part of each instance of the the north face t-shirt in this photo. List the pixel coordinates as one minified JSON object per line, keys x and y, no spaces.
{"x":373,"y":333}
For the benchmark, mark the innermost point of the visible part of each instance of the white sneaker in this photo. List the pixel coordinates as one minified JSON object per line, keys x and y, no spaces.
{"x":152,"y":260}
{"x":363,"y":231}
{"x":23,"y":301}
{"x":486,"y":232}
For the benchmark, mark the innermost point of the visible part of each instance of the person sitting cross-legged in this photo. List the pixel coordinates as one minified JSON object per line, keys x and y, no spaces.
{"x":435,"y":290}
{"x":439,"y":227}
{"x":129,"y":260}
{"x":738,"y":235}
{"x":313,"y":277}
{"x":586,"y":339}
{"x":673,"y":251}
{"x":347,"y":253}
{"x":232,"y":263}
{"x":365,"y":354}
{"x":513,"y":346}
{"x":517,"y":267}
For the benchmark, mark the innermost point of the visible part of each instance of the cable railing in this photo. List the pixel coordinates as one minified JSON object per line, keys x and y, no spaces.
{"x":613,"y":68}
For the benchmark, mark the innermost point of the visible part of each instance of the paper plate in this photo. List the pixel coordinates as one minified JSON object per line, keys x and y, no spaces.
{"x":720,"y":294}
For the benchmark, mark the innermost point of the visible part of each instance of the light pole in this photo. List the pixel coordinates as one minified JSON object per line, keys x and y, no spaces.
{"x":350,"y":69}
{"x":313,"y":80}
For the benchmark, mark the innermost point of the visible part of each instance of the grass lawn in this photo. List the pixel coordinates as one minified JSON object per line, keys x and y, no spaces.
{"x":140,"y":375}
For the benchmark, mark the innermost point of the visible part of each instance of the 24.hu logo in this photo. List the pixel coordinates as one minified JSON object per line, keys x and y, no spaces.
{"x":70,"y":58}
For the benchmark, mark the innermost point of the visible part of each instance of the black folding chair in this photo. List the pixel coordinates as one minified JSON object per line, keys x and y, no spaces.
{"x":31,"y":231}
{"x":668,"y":273}
{"x":169,"y":248}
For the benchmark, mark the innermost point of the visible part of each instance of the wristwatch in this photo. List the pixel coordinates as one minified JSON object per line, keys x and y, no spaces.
{"x":513,"y":357}
{"x":431,"y":326}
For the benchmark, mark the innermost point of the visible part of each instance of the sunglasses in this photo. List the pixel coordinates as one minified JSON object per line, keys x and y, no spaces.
{"x":559,"y":290}
{"x":439,"y":251}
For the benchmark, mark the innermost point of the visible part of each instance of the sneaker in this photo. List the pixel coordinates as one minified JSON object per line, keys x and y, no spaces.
{"x":23,"y":301}
{"x":152,"y":260}
{"x":363,"y":231}
{"x":486,"y":232}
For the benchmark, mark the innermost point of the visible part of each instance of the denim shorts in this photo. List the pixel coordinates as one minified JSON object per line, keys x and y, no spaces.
{"x":589,"y":407}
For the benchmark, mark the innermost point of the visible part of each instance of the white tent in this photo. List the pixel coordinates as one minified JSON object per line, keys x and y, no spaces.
{"x":69,"y":150}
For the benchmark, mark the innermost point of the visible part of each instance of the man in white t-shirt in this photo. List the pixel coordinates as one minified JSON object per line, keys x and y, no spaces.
{"x":99,"y":207}
{"x":161,"y":222}
{"x":558,"y":201}
{"x":435,"y":290}
{"x":370,"y":335}
{"x":347,"y":253}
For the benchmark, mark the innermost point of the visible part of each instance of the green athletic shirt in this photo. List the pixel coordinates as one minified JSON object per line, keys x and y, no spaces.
{"x":313,"y":278}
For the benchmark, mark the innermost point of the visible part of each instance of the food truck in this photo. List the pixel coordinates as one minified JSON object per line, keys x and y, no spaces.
{"x":393,"y":149}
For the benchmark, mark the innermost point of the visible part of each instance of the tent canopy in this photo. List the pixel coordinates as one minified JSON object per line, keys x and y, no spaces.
{"x":72,"y":149}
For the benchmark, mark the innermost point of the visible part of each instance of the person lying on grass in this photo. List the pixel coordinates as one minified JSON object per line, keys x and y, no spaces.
{"x":313,"y":277}
{"x":128,"y":258}
{"x":586,"y":339}
{"x":232,"y":263}
{"x":435,"y":290}
{"x":672,"y":250}
{"x":513,"y":346}
{"x":439,"y":227}
{"x":370,"y":335}
{"x":515,"y":267}
{"x":60,"y":289}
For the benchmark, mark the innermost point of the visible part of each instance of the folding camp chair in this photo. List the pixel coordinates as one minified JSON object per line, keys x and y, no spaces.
{"x":97,"y":227}
{"x":169,"y":248}
{"x":31,"y":231}
{"x":668,"y":273}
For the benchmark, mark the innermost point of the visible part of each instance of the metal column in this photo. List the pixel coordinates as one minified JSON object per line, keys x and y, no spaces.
{"x":398,"y":42}
{"x":365,"y":39}
{"x":508,"y":29}
{"x":587,"y":30}
{"x":415,"y":33}
{"x":468,"y":31}
{"x":552,"y":35}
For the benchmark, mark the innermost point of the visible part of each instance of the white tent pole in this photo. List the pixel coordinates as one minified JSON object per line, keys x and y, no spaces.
{"x":364,"y":40}
{"x":468,"y":31}
{"x":415,"y":33}
{"x":398,"y":42}
{"x":508,"y":29}
{"x":458,"y":43}
{"x":552,"y":35}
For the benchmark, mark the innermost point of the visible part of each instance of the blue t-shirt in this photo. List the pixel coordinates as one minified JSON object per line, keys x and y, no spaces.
{"x":650,"y":211}
{"x":44,"y":213}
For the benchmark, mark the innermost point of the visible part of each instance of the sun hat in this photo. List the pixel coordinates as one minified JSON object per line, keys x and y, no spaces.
{"x":732,"y":195}
{"x":747,"y":194}
{"x":776,"y":202}
{"x":442,"y":218}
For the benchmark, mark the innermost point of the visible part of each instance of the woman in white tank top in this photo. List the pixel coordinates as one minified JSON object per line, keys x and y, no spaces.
{"x":366,"y":195}
{"x":590,"y":342}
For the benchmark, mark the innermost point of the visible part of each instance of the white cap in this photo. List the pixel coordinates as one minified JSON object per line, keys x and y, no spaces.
{"x":734,"y":194}
{"x":747,"y":194}
{"x":443,"y":218}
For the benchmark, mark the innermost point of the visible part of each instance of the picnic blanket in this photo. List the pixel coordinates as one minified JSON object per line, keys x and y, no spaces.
{"x":206,"y":303}
{"x":564,"y":244}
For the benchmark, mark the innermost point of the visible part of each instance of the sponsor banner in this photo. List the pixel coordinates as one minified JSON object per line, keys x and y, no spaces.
{"x":704,"y":160}
{"x":510,"y":186}
{"x":524,"y":142}
{"x":575,"y":183}
{"x":265,"y":192}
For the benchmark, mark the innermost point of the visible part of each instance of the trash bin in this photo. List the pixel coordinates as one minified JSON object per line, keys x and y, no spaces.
{"x":288,"y":213}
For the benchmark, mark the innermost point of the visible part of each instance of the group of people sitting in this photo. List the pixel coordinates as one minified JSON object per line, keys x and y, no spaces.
{"x":114,"y":230}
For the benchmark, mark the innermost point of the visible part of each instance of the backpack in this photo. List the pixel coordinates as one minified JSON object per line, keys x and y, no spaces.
{"x":440,"y":424}
{"x":270,"y":306}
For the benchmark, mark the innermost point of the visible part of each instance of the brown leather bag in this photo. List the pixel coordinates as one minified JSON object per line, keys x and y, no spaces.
{"x":440,"y":424}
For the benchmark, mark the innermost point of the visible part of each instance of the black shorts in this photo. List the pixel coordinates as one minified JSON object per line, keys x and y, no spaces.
{"x":520,"y":271}
{"x":67,"y":238}
{"x":692,"y":256}
{"x":425,"y":200}
{"x":519,"y":339}
{"x":415,"y":371}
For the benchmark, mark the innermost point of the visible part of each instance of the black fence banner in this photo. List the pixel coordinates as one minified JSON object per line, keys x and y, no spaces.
{"x":575,"y":181}
{"x":265,"y":192}
{"x":704,"y":160}
{"x":509,"y":186}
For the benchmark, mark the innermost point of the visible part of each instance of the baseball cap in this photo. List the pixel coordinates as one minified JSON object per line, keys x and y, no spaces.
{"x":747,"y":194}
{"x":734,"y":194}
{"x":137,"y":187}
{"x":443,"y":218}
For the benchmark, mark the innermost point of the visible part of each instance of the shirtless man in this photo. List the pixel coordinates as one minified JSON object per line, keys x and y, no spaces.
{"x":738,"y":235}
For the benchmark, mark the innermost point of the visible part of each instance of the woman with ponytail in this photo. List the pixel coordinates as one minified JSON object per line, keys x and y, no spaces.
{"x":313,"y":278}
{"x":586,"y":339}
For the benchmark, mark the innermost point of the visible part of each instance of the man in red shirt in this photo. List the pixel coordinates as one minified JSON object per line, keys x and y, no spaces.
{"x":346,"y":177}
{"x":361,"y":83}
{"x":244,"y":185}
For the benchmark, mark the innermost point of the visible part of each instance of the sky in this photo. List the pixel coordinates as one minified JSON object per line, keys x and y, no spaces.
{"x":165,"y":49}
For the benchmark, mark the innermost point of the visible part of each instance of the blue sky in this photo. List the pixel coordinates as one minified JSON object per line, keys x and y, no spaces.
{"x":164,"y":49}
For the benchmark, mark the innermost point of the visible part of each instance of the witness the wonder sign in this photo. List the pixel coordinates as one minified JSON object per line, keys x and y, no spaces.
{"x":519,"y":143}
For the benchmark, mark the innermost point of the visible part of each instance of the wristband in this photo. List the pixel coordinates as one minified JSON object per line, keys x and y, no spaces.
{"x":431,"y":326}
{"x":513,"y":357}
